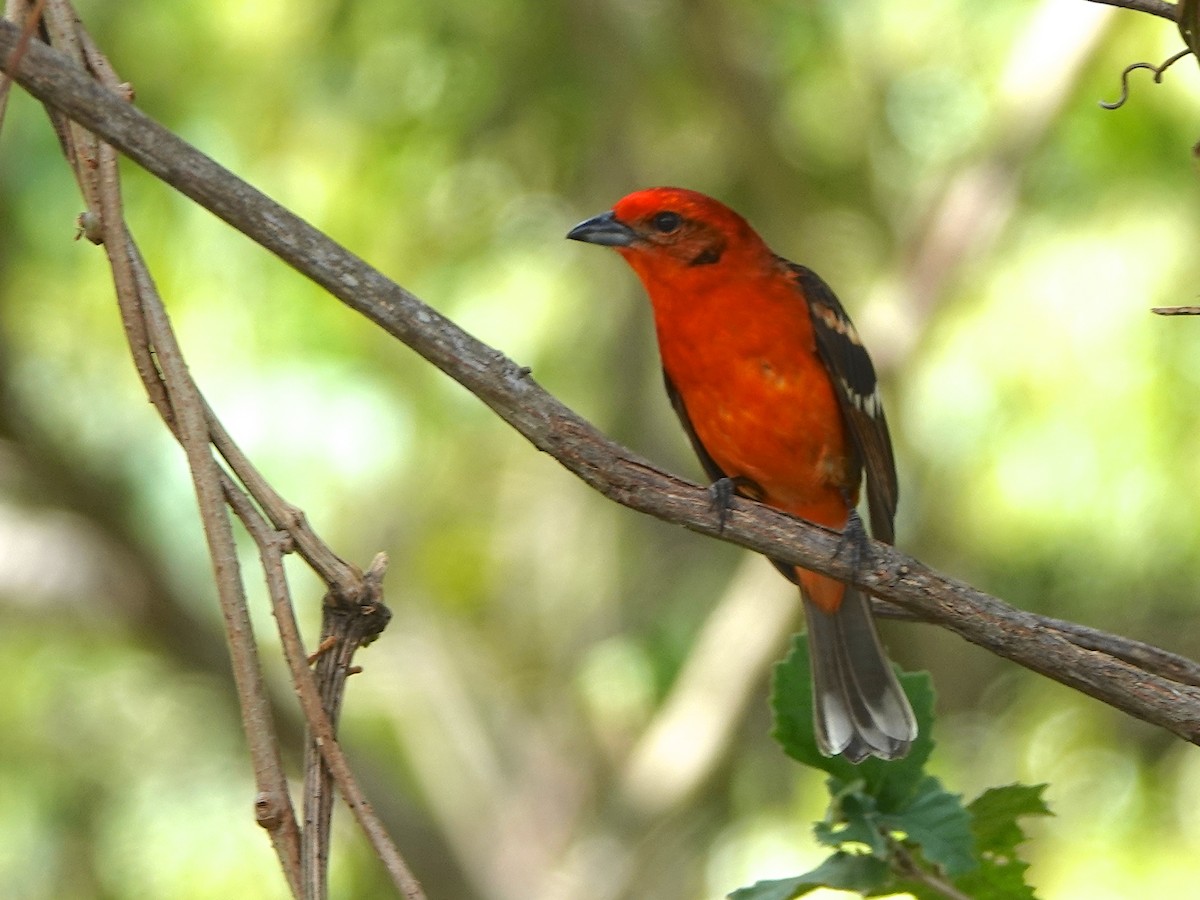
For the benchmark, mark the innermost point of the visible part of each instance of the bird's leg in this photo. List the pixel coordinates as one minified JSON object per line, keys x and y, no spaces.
{"x":853,"y":541}
{"x":722,"y":491}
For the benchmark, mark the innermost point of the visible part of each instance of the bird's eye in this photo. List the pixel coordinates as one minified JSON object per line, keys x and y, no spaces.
{"x":666,"y":222}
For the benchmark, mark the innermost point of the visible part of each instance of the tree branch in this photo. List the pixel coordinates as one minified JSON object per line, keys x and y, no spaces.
{"x":1160,"y":8}
{"x":354,"y":601}
{"x":95,"y":167}
{"x":609,"y":468}
{"x":1144,"y":656}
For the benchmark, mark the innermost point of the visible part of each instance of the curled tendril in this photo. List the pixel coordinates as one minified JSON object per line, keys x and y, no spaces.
{"x":1158,"y":76}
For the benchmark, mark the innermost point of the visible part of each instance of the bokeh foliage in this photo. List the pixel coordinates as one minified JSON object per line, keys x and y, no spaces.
{"x":998,"y":238}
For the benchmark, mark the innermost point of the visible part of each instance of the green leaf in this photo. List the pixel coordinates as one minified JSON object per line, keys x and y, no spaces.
{"x":997,"y":878}
{"x":994,"y":815}
{"x":853,"y":818}
{"x":937,"y":822}
{"x":791,"y":701}
{"x":844,"y":871}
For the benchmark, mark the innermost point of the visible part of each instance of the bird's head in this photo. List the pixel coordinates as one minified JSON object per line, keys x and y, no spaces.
{"x":666,"y":233}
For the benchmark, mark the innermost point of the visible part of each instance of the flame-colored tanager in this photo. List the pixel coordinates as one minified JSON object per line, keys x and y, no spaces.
{"x":779,"y":398}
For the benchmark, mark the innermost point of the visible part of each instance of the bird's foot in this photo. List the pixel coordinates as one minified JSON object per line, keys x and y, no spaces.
{"x":722,"y":491}
{"x":853,"y":542}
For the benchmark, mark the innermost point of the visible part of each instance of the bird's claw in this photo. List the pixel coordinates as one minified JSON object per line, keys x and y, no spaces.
{"x":853,"y":541}
{"x":722,"y":491}
{"x":720,"y":500}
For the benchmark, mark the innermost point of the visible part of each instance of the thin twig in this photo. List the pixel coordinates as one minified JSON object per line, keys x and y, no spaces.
{"x":1158,"y":71}
{"x":609,"y":468}
{"x":345,"y":580}
{"x":176,"y":392}
{"x":273,"y":805}
{"x":131,"y":277}
{"x":319,"y":722}
{"x":340,"y":575}
{"x":906,"y":867}
{"x":347,"y":624}
{"x":252,"y":692}
{"x":179,"y":402}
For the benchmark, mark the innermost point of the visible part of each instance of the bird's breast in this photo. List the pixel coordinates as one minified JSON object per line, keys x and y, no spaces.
{"x":761,"y":401}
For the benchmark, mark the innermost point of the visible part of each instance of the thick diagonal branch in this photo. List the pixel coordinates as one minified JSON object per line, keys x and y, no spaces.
{"x":550,"y":426}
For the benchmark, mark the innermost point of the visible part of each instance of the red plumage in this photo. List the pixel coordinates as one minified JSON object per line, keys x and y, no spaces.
{"x":777,"y":393}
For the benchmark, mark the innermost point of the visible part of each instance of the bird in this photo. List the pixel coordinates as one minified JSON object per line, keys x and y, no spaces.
{"x":779,"y":399}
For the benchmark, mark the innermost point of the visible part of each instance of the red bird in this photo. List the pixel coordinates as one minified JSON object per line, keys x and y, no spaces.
{"x":779,"y":399}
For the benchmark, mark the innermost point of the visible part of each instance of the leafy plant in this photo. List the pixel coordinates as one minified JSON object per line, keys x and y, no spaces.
{"x":893,"y":827}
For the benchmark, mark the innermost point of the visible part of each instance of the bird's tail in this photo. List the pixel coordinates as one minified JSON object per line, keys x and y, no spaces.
{"x":859,"y":707}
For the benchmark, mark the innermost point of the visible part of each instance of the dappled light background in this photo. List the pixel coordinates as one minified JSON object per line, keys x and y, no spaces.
{"x":571,"y":701}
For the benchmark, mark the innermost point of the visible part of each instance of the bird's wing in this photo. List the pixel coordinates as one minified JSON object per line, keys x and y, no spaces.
{"x":857,"y":390}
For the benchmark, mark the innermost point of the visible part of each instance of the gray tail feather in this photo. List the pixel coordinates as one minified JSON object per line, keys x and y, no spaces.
{"x":859,"y":707}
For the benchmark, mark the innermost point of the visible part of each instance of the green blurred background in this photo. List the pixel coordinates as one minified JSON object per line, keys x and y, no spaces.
{"x":571,"y":699}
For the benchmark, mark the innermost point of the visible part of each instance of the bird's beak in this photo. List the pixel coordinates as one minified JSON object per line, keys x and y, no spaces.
{"x":603,"y":229}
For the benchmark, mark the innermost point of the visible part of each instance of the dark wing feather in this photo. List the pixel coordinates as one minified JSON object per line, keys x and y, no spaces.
{"x":858,"y":395}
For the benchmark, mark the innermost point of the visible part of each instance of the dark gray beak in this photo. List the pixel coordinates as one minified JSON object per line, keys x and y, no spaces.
{"x":603,"y":229}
